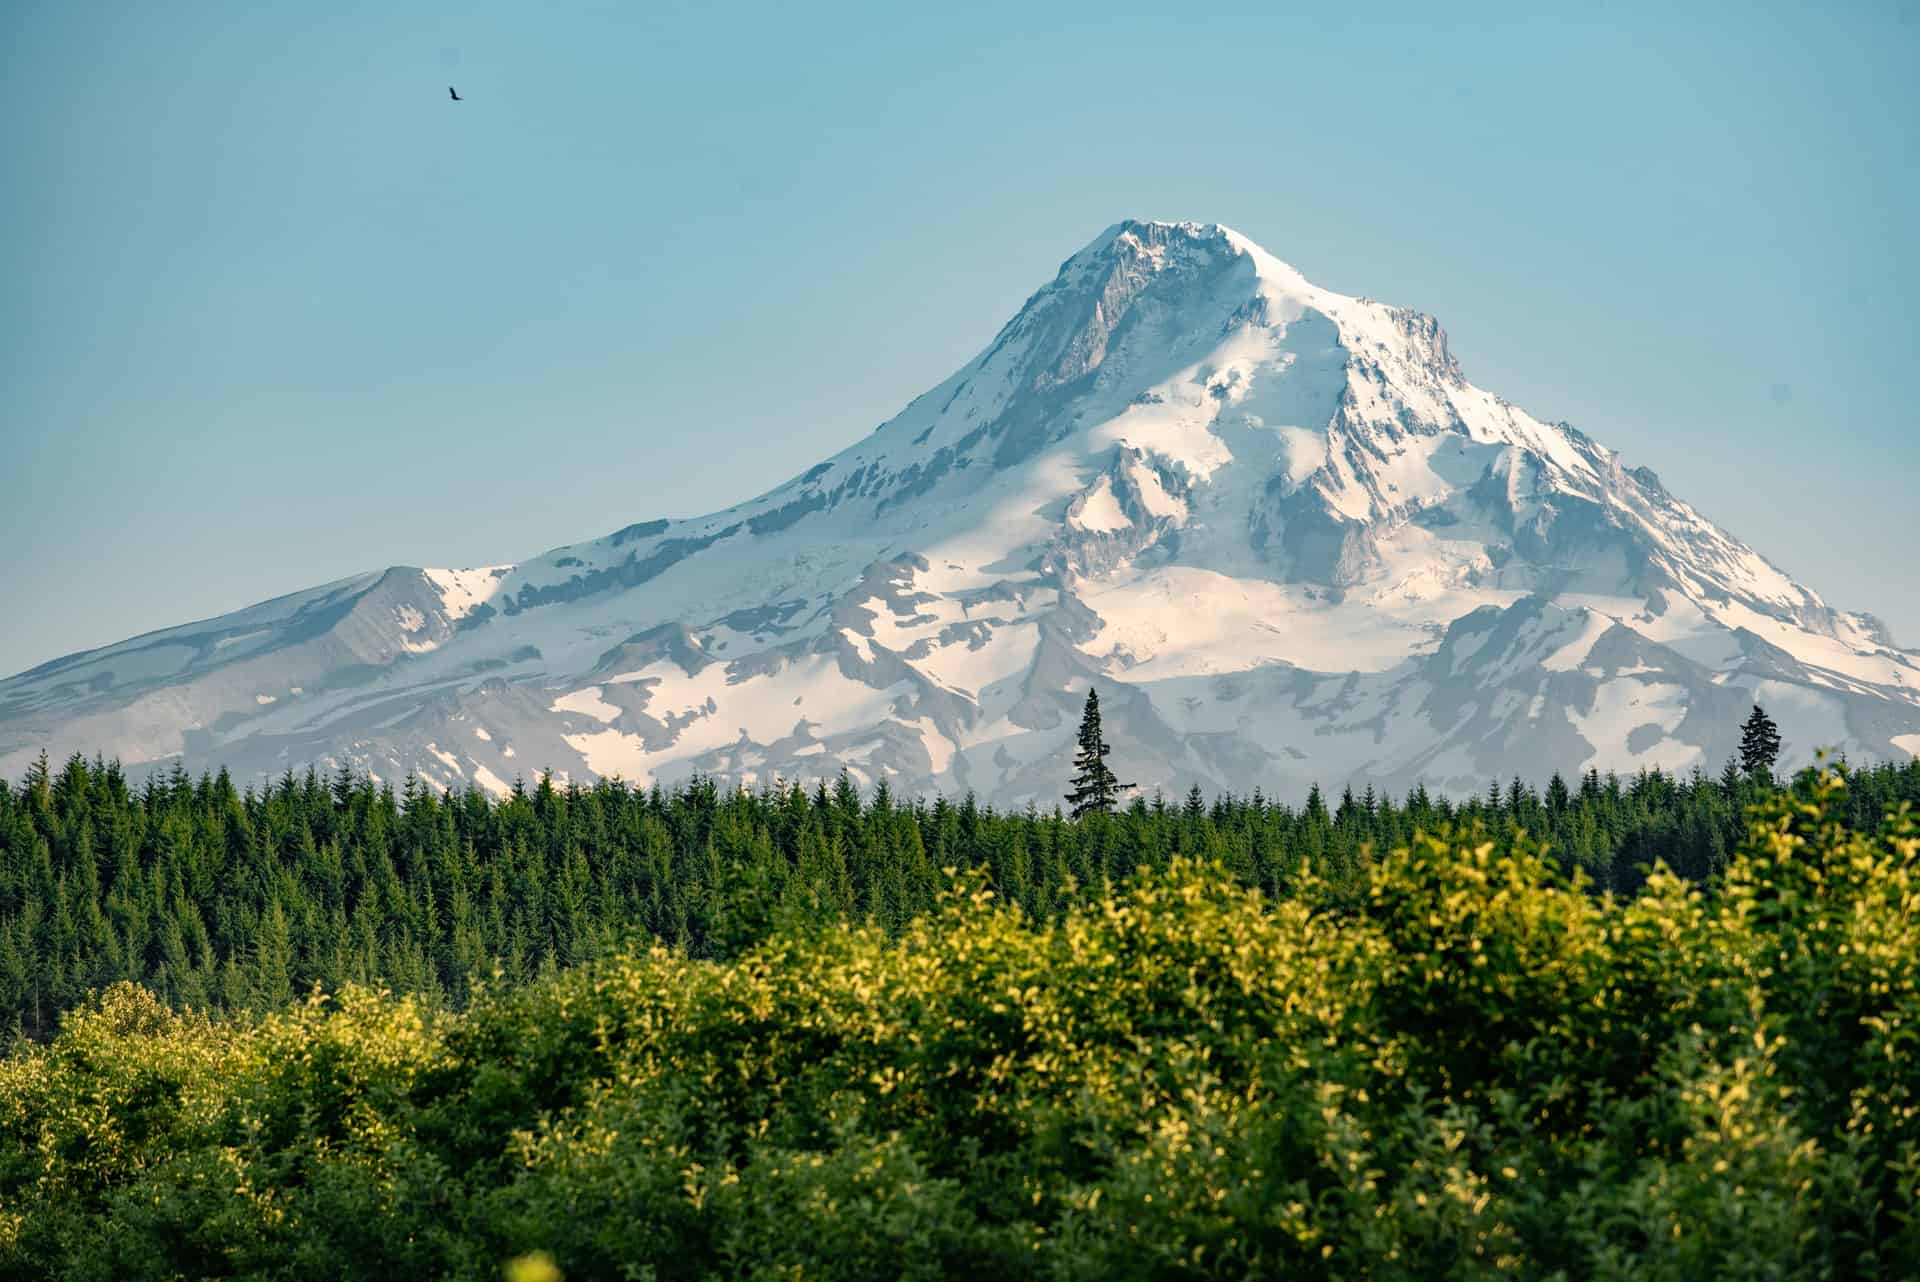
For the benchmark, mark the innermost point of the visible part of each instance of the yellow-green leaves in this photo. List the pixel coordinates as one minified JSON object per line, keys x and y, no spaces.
{"x":1467,"y":1066}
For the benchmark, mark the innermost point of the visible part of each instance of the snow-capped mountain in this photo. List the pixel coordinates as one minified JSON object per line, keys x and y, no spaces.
{"x":1276,"y":525}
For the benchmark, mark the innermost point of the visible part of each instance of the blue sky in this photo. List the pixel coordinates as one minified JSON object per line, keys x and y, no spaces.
{"x":276,"y":310}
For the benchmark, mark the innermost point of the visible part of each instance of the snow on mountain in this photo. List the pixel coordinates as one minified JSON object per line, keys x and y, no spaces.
{"x":1276,"y":524}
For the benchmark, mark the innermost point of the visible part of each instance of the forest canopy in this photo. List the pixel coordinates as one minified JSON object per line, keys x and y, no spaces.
{"x":218,"y":898}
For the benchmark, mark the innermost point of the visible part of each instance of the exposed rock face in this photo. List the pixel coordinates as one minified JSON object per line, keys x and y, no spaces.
{"x":1278,"y":526}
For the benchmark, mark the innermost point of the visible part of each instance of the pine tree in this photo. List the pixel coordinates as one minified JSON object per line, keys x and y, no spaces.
{"x":1094,"y":784}
{"x":1759,"y":744}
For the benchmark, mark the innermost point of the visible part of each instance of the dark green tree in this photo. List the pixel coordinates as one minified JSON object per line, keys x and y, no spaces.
{"x":1759,"y":744}
{"x":1095,"y":787}
{"x":219,"y":898}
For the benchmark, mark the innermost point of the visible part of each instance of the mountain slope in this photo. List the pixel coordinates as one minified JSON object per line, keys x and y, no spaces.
{"x":1277,"y":524}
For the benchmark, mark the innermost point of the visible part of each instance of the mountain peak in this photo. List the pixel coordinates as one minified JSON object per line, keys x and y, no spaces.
{"x":1146,"y":242}
{"x":1277,"y":525}
{"x":1156,"y":231}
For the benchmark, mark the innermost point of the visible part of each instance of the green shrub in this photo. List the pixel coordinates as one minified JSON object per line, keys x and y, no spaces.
{"x":1470,"y":1066}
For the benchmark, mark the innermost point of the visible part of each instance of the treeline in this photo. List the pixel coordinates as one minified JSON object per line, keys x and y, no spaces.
{"x":217,"y":897}
{"x":1462,"y":1066}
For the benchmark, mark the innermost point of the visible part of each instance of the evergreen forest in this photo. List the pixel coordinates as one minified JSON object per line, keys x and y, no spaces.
{"x":218,"y":898}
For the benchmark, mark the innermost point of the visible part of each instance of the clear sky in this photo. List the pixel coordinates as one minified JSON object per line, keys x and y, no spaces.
{"x":273,"y":309}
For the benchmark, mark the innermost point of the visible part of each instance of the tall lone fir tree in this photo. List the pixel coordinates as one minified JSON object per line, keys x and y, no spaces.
{"x":1759,"y":743}
{"x":1095,"y":787}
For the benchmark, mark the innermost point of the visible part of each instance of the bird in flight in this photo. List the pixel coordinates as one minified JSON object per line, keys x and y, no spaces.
{"x":451,"y":94}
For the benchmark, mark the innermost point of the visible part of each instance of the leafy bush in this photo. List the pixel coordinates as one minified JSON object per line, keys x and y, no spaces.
{"x":1471,"y":1066}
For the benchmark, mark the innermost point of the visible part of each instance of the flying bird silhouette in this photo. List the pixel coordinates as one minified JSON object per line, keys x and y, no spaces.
{"x":451,"y":94}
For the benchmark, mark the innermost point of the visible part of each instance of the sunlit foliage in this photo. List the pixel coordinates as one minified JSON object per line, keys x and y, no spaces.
{"x":1457,"y":1061}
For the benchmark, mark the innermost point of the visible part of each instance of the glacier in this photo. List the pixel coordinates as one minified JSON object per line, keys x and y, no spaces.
{"x":1276,"y":525}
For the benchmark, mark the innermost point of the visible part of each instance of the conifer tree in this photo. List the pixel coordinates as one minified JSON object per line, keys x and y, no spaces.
{"x":1759,"y":744}
{"x":250,"y":900}
{"x":1095,"y":786}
